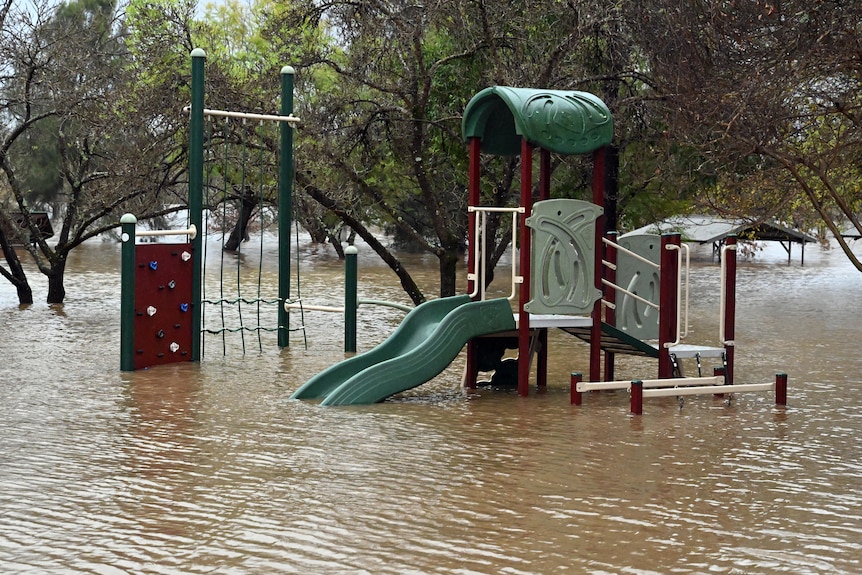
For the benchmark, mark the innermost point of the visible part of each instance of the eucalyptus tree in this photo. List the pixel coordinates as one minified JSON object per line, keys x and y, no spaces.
{"x":67,"y":86}
{"x":769,"y":95}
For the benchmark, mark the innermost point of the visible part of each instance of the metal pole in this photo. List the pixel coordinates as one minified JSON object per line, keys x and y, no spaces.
{"x":780,"y":389}
{"x":524,"y":265}
{"x":668,"y":288}
{"x":637,"y":405}
{"x":196,"y":178}
{"x":729,"y":307}
{"x":285,"y":206}
{"x":598,"y":189}
{"x":576,"y":396}
{"x":350,"y":303}
{"x":474,"y":199}
{"x":127,"y":294}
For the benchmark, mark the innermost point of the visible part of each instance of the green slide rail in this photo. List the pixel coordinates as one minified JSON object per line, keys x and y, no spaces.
{"x":425,"y":343}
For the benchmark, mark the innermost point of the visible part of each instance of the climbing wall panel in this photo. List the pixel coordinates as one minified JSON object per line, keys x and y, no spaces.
{"x":163,"y":300}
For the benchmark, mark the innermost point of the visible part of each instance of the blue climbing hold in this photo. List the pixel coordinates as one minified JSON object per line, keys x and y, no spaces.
{"x":154,"y":265}
{"x":184,"y":307}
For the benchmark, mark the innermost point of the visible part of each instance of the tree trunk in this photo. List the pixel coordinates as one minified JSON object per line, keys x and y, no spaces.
{"x":407,"y":283}
{"x":612,"y":186}
{"x":15,"y":274}
{"x":448,"y":271}
{"x":56,"y":289}
{"x":247,"y":202}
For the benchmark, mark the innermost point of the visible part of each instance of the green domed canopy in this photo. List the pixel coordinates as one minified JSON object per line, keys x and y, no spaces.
{"x":562,"y":121}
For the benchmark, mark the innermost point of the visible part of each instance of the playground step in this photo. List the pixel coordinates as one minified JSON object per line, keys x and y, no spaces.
{"x":616,"y":341}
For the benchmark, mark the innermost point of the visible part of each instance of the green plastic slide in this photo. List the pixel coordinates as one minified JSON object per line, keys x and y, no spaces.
{"x":425,"y":343}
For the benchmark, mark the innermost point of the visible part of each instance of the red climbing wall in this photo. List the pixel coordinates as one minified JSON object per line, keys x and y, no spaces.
{"x":163,"y":304}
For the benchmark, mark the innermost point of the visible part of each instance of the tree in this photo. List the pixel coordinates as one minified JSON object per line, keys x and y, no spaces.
{"x":768,"y":95}
{"x":386,"y":144}
{"x":68,"y":88}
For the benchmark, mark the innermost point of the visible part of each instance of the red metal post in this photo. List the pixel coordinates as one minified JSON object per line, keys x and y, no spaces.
{"x":524,"y":265}
{"x":719,"y":371}
{"x":544,"y":194}
{"x":780,"y":389}
{"x":729,"y":307}
{"x":577,"y":396}
{"x":542,"y":359}
{"x":473,"y":199}
{"x":598,"y":187}
{"x":668,"y":304}
{"x":637,"y":406}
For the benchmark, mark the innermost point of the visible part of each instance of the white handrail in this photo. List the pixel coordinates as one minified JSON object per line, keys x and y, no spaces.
{"x":191,"y":232}
{"x":290,"y":119}
{"x":477,"y":275}
{"x":629,"y":252}
{"x":722,"y":309}
{"x":629,"y":293}
{"x":679,"y":307}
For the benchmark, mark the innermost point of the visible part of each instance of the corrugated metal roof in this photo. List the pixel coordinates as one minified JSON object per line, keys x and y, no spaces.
{"x":708,"y":229}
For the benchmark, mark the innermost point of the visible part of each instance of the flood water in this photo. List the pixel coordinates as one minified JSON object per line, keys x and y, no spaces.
{"x":210,"y":468}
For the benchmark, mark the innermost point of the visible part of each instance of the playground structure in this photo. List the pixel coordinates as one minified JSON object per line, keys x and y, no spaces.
{"x":151,"y":334}
{"x":618,"y":294}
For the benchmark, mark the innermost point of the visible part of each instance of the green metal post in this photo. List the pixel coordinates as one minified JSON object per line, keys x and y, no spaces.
{"x":196,"y":178}
{"x":127,"y":294}
{"x":350,"y":302}
{"x":285,"y":190}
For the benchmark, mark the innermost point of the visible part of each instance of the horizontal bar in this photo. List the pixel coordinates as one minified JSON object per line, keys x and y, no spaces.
{"x":715,"y":380}
{"x":400,"y":306}
{"x":736,"y":388}
{"x":291,"y":119}
{"x":191,"y":232}
{"x":631,"y":253}
{"x":290,"y":306}
{"x":518,"y":210}
{"x":630,"y":294}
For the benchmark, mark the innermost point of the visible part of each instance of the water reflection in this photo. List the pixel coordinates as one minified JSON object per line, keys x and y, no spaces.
{"x":209,"y":468}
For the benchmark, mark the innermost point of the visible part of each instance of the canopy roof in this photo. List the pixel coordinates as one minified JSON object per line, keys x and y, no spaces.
{"x":562,"y":121}
{"x":710,"y":229}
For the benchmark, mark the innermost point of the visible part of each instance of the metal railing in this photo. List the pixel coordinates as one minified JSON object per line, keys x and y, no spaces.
{"x":479,"y":273}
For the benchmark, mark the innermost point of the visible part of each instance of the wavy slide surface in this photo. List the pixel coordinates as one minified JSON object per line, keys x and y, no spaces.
{"x":425,"y":343}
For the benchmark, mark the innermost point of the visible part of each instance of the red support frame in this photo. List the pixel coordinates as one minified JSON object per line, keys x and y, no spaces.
{"x":729,"y":307}
{"x":598,"y":189}
{"x":524,"y":267}
{"x":668,"y":302}
{"x":474,"y":198}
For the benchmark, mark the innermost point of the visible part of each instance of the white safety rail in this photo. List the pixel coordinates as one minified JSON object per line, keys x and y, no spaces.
{"x":677,"y":383}
{"x":705,"y":389}
{"x":304,"y":307}
{"x":621,"y":289}
{"x":682,"y":305}
{"x":191,"y":232}
{"x":681,"y":311}
{"x":479,"y":273}
{"x":292,"y":120}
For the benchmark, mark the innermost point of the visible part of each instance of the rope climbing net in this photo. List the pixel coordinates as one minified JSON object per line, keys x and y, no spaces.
{"x":240,"y":193}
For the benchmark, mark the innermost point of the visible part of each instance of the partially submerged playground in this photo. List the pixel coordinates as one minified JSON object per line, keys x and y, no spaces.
{"x":617,"y":294}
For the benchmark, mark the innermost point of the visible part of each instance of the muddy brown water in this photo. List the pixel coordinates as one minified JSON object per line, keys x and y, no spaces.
{"x":210,"y":468}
